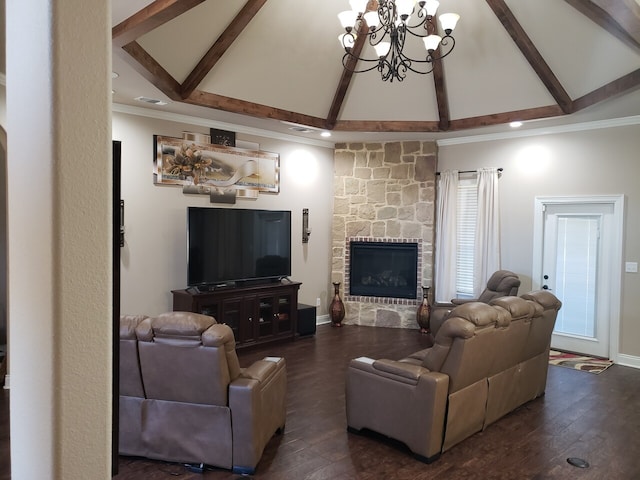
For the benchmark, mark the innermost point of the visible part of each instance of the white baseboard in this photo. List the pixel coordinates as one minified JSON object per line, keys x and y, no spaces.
{"x":628,"y":360}
{"x":322,"y":319}
{"x":6,"y":382}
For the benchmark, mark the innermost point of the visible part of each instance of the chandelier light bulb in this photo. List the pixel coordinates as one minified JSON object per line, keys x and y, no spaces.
{"x":431,"y":6}
{"x":348,"y":19}
{"x":448,"y":21}
{"x":405,"y":7}
{"x":382,"y":49}
{"x":431,"y":42}
{"x":372,"y":19}
{"x":358,"y":6}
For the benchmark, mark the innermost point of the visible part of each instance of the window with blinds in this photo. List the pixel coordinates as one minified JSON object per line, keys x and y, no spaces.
{"x":467,"y":210}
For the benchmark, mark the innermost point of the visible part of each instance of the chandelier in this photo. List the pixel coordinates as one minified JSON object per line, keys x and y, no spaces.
{"x":386,"y":25}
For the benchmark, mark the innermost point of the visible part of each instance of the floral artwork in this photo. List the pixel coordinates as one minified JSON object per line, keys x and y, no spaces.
{"x":185,"y":162}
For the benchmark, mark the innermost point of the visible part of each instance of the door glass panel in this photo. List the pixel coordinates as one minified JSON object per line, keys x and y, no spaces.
{"x":576,"y":274}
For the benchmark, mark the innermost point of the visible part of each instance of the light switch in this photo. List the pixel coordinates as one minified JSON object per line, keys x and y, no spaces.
{"x":631,"y":267}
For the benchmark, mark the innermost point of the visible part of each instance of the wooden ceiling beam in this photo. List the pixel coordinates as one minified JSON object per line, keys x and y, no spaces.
{"x":442,"y":99}
{"x":607,"y":21}
{"x":441,"y":95}
{"x":531,"y":54}
{"x":149,"y":18}
{"x":233,"y":105}
{"x":224,"y":41}
{"x":506,"y":117}
{"x":397,"y":126}
{"x":347,"y":75}
{"x":624,"y":84}
{"x":151,"y":70}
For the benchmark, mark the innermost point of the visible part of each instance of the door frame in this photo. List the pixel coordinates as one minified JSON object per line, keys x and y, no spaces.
{"x":617,"y":238}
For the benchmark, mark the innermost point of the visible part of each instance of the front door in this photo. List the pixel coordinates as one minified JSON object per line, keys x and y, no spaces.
{"x":577,"y":263}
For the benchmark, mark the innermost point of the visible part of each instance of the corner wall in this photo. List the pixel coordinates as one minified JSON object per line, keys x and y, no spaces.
{"x":383,"y":191}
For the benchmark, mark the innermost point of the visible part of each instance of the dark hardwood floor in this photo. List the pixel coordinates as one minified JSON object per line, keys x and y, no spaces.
{"x":594,"y":417}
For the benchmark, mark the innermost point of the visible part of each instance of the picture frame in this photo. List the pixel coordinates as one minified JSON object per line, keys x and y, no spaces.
{"x":222,"y":137}
{"x":187,"y":162}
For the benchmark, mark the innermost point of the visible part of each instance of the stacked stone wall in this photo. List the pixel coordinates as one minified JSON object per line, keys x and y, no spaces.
{"x":383,"y":192}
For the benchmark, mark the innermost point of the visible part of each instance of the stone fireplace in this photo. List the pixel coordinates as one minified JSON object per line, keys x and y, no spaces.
{"x":384,"y":195}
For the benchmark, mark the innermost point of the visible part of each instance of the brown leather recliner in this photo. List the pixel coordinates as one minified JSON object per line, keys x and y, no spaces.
{"x":131,"y":388}
{"x":195,"y":404}
{"x":487,"y":360}
{"x":502,"y":283}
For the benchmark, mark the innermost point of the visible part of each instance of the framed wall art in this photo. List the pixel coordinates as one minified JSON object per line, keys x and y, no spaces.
{"x":187,"y":162}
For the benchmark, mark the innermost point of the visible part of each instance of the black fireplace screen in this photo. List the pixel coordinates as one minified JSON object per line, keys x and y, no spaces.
{"x":383,"y":269}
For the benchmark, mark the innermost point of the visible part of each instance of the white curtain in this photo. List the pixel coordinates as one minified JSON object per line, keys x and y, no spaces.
{"x":446,"y":237}
{"x":487,"y":248}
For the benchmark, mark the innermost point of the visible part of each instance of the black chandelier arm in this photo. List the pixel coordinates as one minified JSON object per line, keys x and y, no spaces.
{"x":427,"y":23}
{"x":348,"y":55}
{"x":428,"y":28}
{"x":386,"y":14}
{"x":405,"y":63}
{"x":372,"y":36}
{"x":444,"y":42}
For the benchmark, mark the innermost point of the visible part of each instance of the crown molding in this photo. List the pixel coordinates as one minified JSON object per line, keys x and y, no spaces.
{"x":536,"y":132}
{"x":203,"y":122}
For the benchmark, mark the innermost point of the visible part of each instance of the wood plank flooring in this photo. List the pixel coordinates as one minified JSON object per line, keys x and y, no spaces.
{"x":594,"y":417}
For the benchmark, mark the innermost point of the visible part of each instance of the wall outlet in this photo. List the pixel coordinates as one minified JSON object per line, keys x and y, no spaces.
{"x":631,"y":267}
{"x":318,"y":302}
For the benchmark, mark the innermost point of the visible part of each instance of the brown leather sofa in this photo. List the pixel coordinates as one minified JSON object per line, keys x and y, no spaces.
{"x":184,"y":397}
{"x":501,"y":283}
{"x":487,"y":359}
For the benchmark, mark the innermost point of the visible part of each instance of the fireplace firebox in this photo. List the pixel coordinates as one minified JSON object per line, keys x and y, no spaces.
{"x":383,"y":269}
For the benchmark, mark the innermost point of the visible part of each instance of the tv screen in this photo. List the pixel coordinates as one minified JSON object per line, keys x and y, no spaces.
{"x":231,"y":245}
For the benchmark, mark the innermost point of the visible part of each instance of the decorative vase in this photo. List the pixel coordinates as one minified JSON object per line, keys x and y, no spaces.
{"x":424,"y":312}
{"x":336,"y":309}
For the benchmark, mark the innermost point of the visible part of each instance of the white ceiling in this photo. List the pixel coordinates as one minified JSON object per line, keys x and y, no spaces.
{"x":288,"y":59}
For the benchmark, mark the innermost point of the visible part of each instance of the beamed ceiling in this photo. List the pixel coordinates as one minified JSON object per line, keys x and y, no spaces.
{"x":272,"y":63}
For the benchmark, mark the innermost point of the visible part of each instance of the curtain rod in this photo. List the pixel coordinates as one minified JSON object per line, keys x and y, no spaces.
{"x":473,"y":171}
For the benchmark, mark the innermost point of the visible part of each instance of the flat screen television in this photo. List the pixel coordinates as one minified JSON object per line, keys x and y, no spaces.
{"x":231,"y":245}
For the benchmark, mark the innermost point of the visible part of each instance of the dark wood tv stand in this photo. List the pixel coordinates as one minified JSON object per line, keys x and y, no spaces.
{"x":256,"y":313}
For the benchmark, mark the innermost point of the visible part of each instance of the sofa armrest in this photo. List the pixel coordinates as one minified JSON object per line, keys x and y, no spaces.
{"x":400,"y":400}
{"x":258,"y":410}
{"x":462,"y":301}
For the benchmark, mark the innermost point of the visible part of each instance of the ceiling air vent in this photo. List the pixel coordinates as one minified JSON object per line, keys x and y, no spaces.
{"x":154,"y":101}
{"x":301,"y":129}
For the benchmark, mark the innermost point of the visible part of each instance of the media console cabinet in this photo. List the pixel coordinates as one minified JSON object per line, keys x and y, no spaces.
{"x":256,"y":314}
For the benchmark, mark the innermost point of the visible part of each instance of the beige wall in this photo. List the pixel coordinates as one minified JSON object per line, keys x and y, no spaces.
{"x":59,"y":238}
{"x":154,"y":257}
{"x":594,"y":162}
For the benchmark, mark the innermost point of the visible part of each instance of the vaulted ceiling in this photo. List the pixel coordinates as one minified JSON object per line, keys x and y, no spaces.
{"x":276,"y":64}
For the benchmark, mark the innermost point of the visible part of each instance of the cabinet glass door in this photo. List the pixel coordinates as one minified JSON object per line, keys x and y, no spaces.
{"x":232,"y":316}
{"x":283,"y":317}
{"x":267,"y":311}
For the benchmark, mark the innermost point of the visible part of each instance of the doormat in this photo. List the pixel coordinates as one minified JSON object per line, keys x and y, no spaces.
{"x":579,"y":362}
